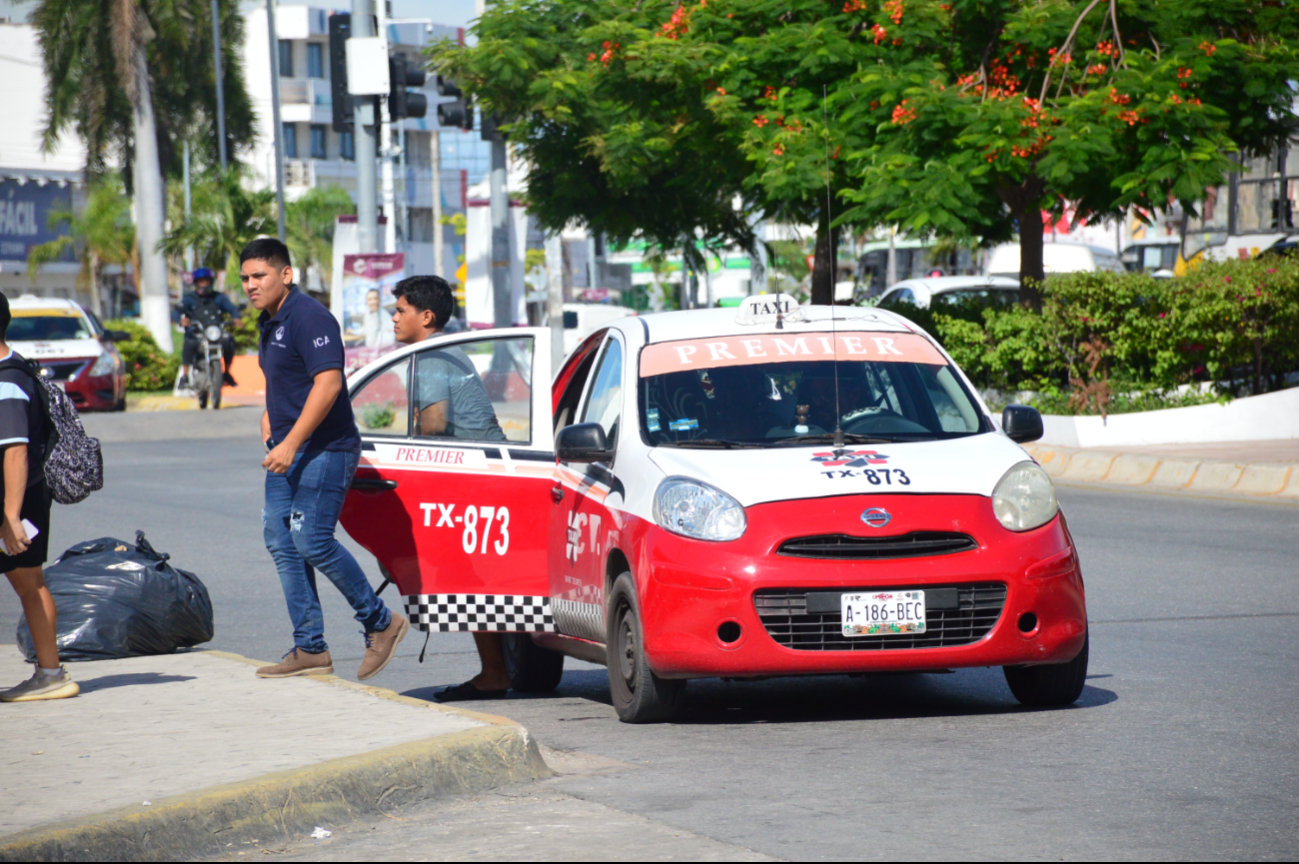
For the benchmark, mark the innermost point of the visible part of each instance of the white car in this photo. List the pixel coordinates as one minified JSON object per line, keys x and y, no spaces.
{"x":1056,"y":258}
{"x":924,"y":292}
{"x":74,"y":348}
{"x":762,"y":491}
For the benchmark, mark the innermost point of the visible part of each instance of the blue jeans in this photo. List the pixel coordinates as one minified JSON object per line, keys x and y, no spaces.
{"x":302,"y":508}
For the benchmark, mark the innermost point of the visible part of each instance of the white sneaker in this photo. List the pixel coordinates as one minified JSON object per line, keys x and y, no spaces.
{"x":41,"y":686}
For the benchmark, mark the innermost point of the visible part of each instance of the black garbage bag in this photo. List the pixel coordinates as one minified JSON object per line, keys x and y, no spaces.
{"x":116,"y":599}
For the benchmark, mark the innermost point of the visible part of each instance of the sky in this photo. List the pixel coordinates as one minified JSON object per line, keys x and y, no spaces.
{"x":454,"y":13}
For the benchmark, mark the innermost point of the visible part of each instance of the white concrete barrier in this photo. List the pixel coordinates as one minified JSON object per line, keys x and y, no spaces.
{"x":1270,"y":417}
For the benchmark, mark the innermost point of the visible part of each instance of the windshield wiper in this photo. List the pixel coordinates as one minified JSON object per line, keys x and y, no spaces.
{"x":828,"y":438}
{"x":710,"y":444}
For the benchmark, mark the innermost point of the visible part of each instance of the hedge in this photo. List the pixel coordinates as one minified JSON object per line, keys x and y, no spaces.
{"x":148,"y":367}
{"x":1111,"y":343}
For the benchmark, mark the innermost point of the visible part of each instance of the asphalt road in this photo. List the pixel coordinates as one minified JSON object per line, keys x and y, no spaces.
{"x":1183,"y":745}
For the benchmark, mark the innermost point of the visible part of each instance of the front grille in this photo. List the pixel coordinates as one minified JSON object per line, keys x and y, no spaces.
{"x":961,"y":620}
{"x":847,"y":548}
{"x":64,"y":370}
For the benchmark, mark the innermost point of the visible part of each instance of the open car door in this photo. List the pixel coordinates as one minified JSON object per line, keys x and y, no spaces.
{"x":452,"y":493}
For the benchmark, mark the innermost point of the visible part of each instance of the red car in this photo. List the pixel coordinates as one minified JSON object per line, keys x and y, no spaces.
{"x":773,"y":491}
{"x":73,"y":347}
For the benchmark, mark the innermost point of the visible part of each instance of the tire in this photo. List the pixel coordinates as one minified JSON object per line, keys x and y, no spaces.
{"x":202,"y":398}
{"x":532,"y":669}
{"x":216,"y":395}
{"x":1049,"y":686}
{"x":120,"y":404}
{"x":639,"y":696}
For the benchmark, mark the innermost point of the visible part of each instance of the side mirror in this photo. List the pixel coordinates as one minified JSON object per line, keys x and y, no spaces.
{"x":583,"y":442}
{"x":1021,"y":423}
{"x":117,"y":336}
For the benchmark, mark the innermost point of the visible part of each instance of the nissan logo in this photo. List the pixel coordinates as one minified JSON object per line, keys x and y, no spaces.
{"x":876,"y":517}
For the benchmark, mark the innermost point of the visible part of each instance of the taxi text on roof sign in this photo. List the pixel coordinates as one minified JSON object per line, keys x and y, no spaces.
{"x":767,"y":308}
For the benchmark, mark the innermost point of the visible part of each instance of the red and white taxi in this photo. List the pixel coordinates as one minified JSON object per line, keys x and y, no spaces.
{"x":770,"y":491}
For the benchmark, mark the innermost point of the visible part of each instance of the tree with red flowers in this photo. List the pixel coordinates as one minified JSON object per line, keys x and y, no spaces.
{"x":960,"y":119}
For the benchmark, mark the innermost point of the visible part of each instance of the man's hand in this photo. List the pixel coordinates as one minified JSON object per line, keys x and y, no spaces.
{"x":14,"y":535}
{"x":280,"y":459}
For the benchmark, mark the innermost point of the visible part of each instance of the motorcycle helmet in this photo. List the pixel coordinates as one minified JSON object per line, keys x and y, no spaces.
{"x":204,"y":273}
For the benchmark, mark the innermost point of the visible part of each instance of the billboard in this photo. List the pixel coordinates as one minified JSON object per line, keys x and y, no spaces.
{"x":366,"y":298}
{"x":25,"y":215}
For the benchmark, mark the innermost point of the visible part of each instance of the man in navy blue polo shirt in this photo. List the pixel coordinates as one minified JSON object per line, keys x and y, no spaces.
{"x":312,"y":448}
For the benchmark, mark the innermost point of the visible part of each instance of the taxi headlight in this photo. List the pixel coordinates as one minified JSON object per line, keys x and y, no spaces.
{"x":213,"y":333}
{"x":105,"y":364}
{"x":1025,"y":498}
{"x":695,"y":509}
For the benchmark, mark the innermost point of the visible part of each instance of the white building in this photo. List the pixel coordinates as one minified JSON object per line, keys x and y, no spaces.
{"x":32,"y":183}
{"x":316,"y":155}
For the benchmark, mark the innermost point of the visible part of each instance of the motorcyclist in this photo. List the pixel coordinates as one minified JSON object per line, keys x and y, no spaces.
{"x":209,"y":307}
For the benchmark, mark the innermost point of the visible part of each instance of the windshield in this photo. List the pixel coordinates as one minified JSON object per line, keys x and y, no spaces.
{"x":47,"y":328}
{"x":773,"y":391}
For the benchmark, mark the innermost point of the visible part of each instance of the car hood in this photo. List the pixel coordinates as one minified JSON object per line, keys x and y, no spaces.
{"x":58,"y":349}
{"x":959,"y":466}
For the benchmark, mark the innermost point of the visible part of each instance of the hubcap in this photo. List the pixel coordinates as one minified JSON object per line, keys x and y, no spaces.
{"x":627,"y":656}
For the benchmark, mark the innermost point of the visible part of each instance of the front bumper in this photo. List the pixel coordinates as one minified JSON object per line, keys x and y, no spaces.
{"x":689,"y":589}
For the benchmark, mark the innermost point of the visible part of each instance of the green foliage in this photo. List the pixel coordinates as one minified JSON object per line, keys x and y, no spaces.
{"x":246,"y":334}
{"x":309,"y":224}
{"x":961,"y":118}
{"x":1113,"y":343}
{"x":87,"y":47}
{"x":224,"y":216}
{"x":148,"y":367}
{"x":378,"y":415}
{"x":102,"y":232}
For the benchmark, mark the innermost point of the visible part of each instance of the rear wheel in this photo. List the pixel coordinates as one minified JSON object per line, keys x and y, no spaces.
{"x":639,"y":696}
{"x":1049,"y":686}
{"x":532,"y":669}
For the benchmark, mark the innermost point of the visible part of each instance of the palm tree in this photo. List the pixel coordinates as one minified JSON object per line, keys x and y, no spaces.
{"x":108,"y":63}
{"x":102,"y":232}
{"x":310,"y":227}
{"x":225,"y":216}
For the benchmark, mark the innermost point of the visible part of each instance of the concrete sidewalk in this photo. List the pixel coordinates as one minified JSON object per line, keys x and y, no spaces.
{"x":1255,"y":469}
{"x":171,"y":757}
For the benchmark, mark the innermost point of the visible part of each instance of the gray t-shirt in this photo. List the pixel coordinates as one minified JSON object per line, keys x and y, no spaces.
{"x":448,"y":375}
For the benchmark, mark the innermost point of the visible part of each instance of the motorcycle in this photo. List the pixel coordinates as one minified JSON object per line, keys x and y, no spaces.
{"x":205,"y":377}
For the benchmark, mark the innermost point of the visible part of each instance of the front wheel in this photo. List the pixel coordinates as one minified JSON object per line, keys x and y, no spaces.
{"x":639,"y":696}
{"x":1049,"y":686}
{"x":532,"y":669}
{"x":216,"y":394}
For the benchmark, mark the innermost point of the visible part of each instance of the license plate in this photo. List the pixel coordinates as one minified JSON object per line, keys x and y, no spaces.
{"x":883,"y":613}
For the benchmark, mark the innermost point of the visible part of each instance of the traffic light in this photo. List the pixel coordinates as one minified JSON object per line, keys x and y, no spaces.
{"x":458,"y":113}
{"x":490,"y":129}
{"x":403,"y":102}
{"x":340,"y":28}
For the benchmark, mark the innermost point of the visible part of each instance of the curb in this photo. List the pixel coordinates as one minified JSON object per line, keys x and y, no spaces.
{"x":1258,"y":480}
{"x":288,"y":804}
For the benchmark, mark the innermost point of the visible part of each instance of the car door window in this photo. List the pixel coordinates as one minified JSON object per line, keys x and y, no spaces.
{"x":475,"y":391}
{"x":604,"y":404}
{"x":381,"y":405}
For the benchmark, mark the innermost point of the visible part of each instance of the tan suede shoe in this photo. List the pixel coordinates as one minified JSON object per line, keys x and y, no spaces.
{"x":381,"y":646}
{"x":298,"y":662}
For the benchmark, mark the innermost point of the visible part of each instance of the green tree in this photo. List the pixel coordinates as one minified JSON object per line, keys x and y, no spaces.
{"x":963,"y":119}
{"x":986,"y":112}
{"x":100,"y":234}
{"x":225,"y":216}
{"x":131,"y":76}
{"x":310,"y":222}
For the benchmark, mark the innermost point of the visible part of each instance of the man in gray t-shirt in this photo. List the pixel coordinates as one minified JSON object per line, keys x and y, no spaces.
{"x":450,"y":399}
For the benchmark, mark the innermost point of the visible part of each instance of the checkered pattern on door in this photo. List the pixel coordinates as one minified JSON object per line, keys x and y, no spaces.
{"x":480,"y":612}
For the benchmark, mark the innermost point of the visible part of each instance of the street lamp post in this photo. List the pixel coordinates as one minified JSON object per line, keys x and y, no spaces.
{"x":275,"y":117}
{"x":220,"y":83}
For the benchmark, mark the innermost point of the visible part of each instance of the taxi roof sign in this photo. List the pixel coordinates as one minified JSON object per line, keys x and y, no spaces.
{"x":768,"y":308}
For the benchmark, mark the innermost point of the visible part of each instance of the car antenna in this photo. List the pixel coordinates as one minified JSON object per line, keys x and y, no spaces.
{"x":838,"y":422}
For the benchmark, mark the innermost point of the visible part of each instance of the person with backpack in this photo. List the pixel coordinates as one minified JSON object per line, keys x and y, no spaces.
{"x":25,"y":441}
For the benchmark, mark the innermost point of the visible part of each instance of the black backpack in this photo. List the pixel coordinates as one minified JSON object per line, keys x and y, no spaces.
{"x":74,"y":464}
